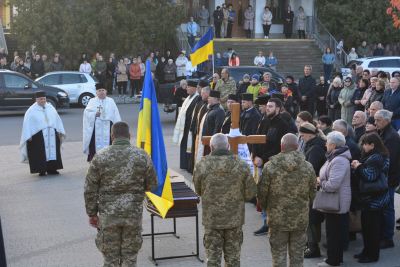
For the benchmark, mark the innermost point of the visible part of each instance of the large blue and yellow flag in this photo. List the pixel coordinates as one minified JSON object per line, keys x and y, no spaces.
{"x":203,"y":48}
{"x":150,"y":138}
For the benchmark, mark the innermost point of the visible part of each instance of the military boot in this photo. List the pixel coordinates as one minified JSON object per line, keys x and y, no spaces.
{"x":312,"y":251}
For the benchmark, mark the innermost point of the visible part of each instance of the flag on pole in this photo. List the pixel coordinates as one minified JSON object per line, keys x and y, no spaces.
{"x":150,"y":138}
{"x":203,"y":48}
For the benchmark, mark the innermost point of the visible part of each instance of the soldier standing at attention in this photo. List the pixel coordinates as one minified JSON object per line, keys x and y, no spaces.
{"x":287,"y":187}
{"x":226,"y":85}
{"x":116,"y":181}
{"x":224,"y":176}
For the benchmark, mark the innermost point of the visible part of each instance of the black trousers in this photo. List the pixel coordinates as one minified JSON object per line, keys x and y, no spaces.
{"x":334,"y":238}
{"x":302,"y":32}
{"x":248,"y":33}
{"x":122,"y":87}
{"x":135,"y":85}
{"x":100,"y":78}
{"x":322,"y":112}
{"x":266,"y":29}
{"x":109,"y":81}
{"x":218,"y":29}
{"x":230,"y":25}
{"x":308,"y":106}
{"x":371,"y":229}
{"x":288,"y":35}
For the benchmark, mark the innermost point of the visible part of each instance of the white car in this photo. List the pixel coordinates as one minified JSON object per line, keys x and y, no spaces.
{"x":388,"y":64}
{"x":79,"y":86}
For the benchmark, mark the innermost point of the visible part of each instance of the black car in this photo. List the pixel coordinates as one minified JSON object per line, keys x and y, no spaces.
{"x":166,"y":93}
{"x":18,"y":92}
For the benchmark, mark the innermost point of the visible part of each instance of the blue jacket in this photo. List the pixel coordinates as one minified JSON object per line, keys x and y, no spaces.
{"x":391,"y":102}
{"x":271,"y":61}
{"x":218,"y":62}
{"x":225,"y":61}
{"x":358,"y":95}
{"x":231,"y":14}
{"x":191,"y":28}
{"x":328,"y":59}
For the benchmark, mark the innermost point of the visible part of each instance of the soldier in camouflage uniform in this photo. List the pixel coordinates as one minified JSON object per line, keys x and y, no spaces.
{"x":117,"y":179}
{"x":225,"y":183}
{"x":287,"y":187}
{"x":226,"y":85}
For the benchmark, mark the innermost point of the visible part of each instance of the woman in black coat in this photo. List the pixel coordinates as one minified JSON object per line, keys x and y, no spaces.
{"x":21,"y":68}
{"x":160,"y":70}
{"x":332,"y":100}
{"x":314,"y":152}
{"x":376,"y":95}
{"x":218,"y":16}
{"x":320,"y":97}
{"x":358,"y":95}
{"x":373,"y":168}
{"x":180,"y":96}
{"x":288,"y":24}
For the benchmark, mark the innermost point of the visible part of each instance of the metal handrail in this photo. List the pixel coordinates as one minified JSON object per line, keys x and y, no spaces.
{"x":181,"y":41}
{"x":324,"y":36}
{"x":3,"y":43}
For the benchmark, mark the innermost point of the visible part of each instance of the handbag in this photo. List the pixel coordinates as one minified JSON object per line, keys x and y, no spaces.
{"x":326,"y":201}
{"x":377,"y":187}
{"x":355,"y":221}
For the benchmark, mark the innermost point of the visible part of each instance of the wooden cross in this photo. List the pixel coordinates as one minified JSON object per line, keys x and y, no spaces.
{"x":235,"y":141}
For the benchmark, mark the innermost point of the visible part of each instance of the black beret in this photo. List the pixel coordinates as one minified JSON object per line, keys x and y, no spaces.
{"x":215,"y":93}
{"x":40,"y":94}
{"x":279,"y":96}
{"x":371,"y":120}
{"x":191,"y":83}
{"x":100,"y":86}
{"x":248,"y":97}
{"x":263,"y":99}
{"x":234,"y":97}
{"x":203,"y":83}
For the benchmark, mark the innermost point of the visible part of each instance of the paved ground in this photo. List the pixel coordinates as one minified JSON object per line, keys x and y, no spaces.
{"x":45,"y":224}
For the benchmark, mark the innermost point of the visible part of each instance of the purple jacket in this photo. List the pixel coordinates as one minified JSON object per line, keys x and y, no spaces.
{"x":335,"y":177}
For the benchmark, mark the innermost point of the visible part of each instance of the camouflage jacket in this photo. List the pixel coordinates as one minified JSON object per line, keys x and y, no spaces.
{"x":287,"y":187}
{"x":224,"y":182}
{"x":226,"y":88}
{"x":117,"y":179}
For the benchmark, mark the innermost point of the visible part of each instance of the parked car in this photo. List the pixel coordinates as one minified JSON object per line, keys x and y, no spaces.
{"x":18,"y":92}
{"x":166,"y":93}
{"x":80,"y":87}
{"x":389,"y":64}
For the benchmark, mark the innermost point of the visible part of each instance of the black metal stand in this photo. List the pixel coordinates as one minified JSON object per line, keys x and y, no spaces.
{"x":153,"y":259}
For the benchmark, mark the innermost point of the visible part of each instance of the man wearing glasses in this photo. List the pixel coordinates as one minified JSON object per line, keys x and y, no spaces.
{"x":215,"y":79}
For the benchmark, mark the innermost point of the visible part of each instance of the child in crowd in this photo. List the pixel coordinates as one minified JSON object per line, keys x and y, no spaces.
{"x":218,"y":61}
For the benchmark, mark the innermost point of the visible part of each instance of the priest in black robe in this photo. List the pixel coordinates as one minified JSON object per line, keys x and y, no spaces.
{"x":226,"y":125}
{"x":42,"y":137}
{"x":181,"y":135}
{"x":250,"y":117}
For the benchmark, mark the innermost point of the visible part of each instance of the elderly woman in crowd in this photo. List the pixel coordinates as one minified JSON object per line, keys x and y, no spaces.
{"x":372,"y":205}
{"x":181,"y":65}
{"x":332,"y":100}
{"x":334,"y":177}
{"x":345,"y":96}
{"x":302,"y":117}
{"x":320,"y":97}
{"x":352,"y":55}
{"x":272,"y":85}
{"x":170,"y":71}
{"x":376,"y":94}
{"x":301,"y":17}
{"x":122,"y":78}
{"x":248,"y":21}
{"x":314,"y":152}
{"x":358,"y":95}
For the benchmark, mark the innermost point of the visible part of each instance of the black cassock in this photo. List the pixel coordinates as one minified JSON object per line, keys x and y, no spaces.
{"x":226,"y":126}
{"x":184,"y":156}
{"x":92,"y":144}
{"x":37,"y":155}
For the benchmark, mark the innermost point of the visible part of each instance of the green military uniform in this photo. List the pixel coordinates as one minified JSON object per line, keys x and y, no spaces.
{"x":225,"y":183}
{"x":115,"y":185}
{"x":46,"y":66}
{"x":286,"y":189}
{"x":226,"y":88}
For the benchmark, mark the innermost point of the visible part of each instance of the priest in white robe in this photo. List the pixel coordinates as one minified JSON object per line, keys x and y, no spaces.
{"x":42,"y":137}
{"x":100,"y":114}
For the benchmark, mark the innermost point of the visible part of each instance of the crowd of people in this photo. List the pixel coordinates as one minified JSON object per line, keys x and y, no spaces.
{"x":352,"y":147}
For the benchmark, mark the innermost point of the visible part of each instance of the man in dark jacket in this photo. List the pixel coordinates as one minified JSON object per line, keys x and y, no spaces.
{"x":295,"y":93}
{"x":274,"y":128}
{"x":307,"y":87}
{"x":226,"y":126}
{"x":391,"y":101}
{"x":215,"y":116}
{"x":3,"y":64}
{"x":250,"y":117}
{"x":218,"y":15}
{"x":379,"y":51}
{"x":359,"y":119}
{"x":37,"y":67}
{"x":391,"y":140}
{"x":3,"y":54}
{"x":341,"y":126}
{"x":56,"y":65}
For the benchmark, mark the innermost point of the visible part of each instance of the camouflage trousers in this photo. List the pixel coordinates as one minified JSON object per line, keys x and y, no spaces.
{"x":282,"y":242}
{"x":228,"y":241}
{"x":119,"y":240}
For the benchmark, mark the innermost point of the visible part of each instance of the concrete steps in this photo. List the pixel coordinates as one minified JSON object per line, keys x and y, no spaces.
{"x":12,"y":45}
{"x":292,"y":54}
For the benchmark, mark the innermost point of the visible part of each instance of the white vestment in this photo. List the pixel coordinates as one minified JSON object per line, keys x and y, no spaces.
{"x":243,"y":149}
{"x":108,"y":113}
{"x":47,"y":120}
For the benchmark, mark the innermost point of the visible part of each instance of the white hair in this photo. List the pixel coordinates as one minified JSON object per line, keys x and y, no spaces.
{"x":182,"y":82}
{"x":289,"y":142}
{"x":378,"y":104}
{"x":219,"y":141}
{"x":384,"y":114}
{"x":337,"y":80}
{"x":341,"y":126}
{"x":336,"y":138}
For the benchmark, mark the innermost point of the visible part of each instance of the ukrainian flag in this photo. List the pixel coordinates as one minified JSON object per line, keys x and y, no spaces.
{"x":150,"y":138}
{"x":203,"y":48}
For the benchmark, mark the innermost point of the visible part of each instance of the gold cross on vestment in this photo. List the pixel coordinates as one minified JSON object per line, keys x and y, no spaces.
{"x":99,"y":107}
{"x":47,"y":120}
{"x":235,"y":141}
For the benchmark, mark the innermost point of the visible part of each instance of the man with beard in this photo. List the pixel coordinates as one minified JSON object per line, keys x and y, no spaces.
{"x":211,"y":123}
{"x":226,"y":125}
{"x":181,"y":131}
{"x":250,"y":117}
{"x":274,"y":127}
{"x":199,"y":111}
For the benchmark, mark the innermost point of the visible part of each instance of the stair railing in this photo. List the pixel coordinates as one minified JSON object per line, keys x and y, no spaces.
{"x":3,"y":43}
{"x":181,"y":41}
{"x":315,"y":27}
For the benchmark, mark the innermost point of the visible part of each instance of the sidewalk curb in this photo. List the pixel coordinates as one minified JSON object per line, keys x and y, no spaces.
{"x":126,"y":100}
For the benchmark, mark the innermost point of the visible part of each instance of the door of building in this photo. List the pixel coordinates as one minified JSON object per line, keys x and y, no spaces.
{"x":240,"y":7}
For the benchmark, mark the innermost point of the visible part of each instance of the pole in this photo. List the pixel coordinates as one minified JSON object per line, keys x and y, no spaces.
{"x":213,"y":62}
